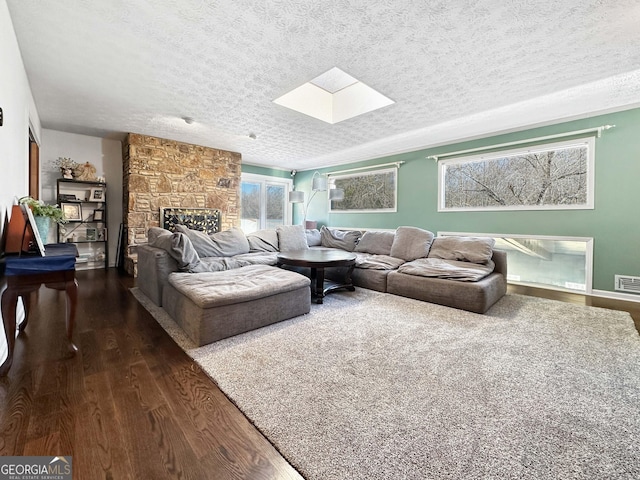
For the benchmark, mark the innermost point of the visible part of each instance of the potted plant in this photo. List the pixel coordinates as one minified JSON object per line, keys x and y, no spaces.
{"x":43,"y":215}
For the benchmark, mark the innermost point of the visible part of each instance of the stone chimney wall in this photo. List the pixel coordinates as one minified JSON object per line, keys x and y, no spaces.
{"x":160,"y":173}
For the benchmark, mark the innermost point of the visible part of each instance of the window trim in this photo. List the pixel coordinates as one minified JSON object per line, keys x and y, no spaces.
{"x":589,"y":142}
{"x":338,"y":175}
{"x":265,"y":180}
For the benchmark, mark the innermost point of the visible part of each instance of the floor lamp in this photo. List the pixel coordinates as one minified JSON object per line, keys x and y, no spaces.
{"x":318,"y":184}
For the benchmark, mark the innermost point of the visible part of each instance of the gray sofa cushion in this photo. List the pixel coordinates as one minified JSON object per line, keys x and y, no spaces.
{"x":155,"y":232}
{"x":464,"y":249}
{"x":451,"y":269}
{"x":314,"y":239}
{"x":292,"y":237}
{"x":411,"y":243}
{"x":342,"y":239}
{"x":263,"y":240}
{"x":376,"y":242}
{"x":180,"y":248}
{"x":221,"y":244}
{"x":377,"y":262}
{"x":239,"y":285}
{"x":258,"y":258}
{"x":219,"y":264}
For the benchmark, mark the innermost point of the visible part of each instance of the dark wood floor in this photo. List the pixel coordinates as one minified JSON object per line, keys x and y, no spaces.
{"x":131,"y":404}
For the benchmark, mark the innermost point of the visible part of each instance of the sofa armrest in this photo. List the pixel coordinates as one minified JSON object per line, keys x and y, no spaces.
{"x":499,"y":258}
{"x":154,"y":267}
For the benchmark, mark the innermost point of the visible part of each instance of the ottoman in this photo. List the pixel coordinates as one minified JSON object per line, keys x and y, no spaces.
{"x":214,"y":305}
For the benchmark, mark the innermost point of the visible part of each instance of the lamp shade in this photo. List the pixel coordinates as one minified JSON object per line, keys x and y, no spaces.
{"x":296,"y":196}
{"x":319,"y":184}
{"x":336,"y":194}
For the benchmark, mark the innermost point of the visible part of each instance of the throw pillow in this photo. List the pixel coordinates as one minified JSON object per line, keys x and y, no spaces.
{"x":377,"y":243}
{"x":411,"y":243}
{"x":292,"y":237}
{"x":465,"y":249}
{"x":343,"y":239}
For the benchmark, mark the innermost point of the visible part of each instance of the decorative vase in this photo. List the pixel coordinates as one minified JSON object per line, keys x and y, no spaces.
{"x":42,"y":224}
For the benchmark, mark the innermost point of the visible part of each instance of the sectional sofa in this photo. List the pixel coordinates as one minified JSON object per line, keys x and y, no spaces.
{"x":203,"y":280}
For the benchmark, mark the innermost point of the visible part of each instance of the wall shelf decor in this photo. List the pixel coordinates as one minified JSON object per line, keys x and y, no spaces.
{"x":84,"y":204}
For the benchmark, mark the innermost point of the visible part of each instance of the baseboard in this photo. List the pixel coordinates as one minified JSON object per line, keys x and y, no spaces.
{"x":628,"y":297}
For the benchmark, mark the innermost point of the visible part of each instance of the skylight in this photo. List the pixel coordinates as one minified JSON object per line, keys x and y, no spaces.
{"x":333,"y":97}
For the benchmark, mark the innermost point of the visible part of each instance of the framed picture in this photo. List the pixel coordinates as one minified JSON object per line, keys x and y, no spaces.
{"x":91,"y":235}
{"x":72,"y":211}
{"x":98,"y":215}
{"x":97,"y":194}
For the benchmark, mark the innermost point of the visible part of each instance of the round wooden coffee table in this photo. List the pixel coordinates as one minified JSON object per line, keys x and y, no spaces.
{"x":317,"y":260}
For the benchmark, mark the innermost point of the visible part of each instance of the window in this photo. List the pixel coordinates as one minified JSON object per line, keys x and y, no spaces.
{"x":553,"y":176}
{"x":369,"y":192}
{"x":263,"y":202}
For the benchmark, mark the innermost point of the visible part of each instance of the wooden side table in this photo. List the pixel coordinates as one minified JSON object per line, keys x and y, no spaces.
{"x":25,"y":274}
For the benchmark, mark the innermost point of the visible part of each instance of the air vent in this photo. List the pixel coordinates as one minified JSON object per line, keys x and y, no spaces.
{"x":624,"y":283}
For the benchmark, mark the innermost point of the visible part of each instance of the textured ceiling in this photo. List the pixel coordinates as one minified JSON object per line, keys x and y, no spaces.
{"x":456,"y":69}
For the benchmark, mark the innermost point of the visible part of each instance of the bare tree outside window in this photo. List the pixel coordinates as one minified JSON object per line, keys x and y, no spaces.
{"x":367,"y":192}
{"x":263,"y":202}
{"x":552,"y":176}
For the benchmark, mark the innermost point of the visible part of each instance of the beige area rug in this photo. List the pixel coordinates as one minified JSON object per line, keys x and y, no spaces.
{"x":375,"y":386}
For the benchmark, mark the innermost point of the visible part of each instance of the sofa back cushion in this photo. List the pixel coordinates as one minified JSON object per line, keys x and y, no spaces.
{"x":343,"y":239}
{"x":377,"y":243}
{"x":465,"y":249}
{"x":221,"y":244}
{"x":292,"y":237}
{"x":411,"y":243}
{"x":179,"y":247}
{"x":155,"y":232}
{"x":263,"y":240}
{"x":314,"y":239}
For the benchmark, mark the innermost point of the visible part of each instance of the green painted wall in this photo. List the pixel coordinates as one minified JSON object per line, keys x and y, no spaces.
{"x":271,"y":172}
{"x":614,"y":223}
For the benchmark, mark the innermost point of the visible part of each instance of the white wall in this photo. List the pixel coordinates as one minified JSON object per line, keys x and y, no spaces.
{"x":104,"y":154}
{"x":19,"y":110}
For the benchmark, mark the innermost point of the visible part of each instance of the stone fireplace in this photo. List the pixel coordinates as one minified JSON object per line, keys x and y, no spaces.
{"x":160,"y":173}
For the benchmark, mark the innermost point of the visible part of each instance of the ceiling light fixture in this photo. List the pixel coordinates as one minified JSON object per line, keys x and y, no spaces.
{"x":188,"y":120}
{"x":253,"y":136}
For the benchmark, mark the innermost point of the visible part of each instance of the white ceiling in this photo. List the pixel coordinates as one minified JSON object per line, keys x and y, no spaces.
{"x":457,"y":69}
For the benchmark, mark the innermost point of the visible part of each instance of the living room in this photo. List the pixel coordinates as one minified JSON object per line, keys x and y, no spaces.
{"x":529,"y":114}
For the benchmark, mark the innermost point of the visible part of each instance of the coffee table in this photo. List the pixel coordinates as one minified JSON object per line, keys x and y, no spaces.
{"x":317,"y":260}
